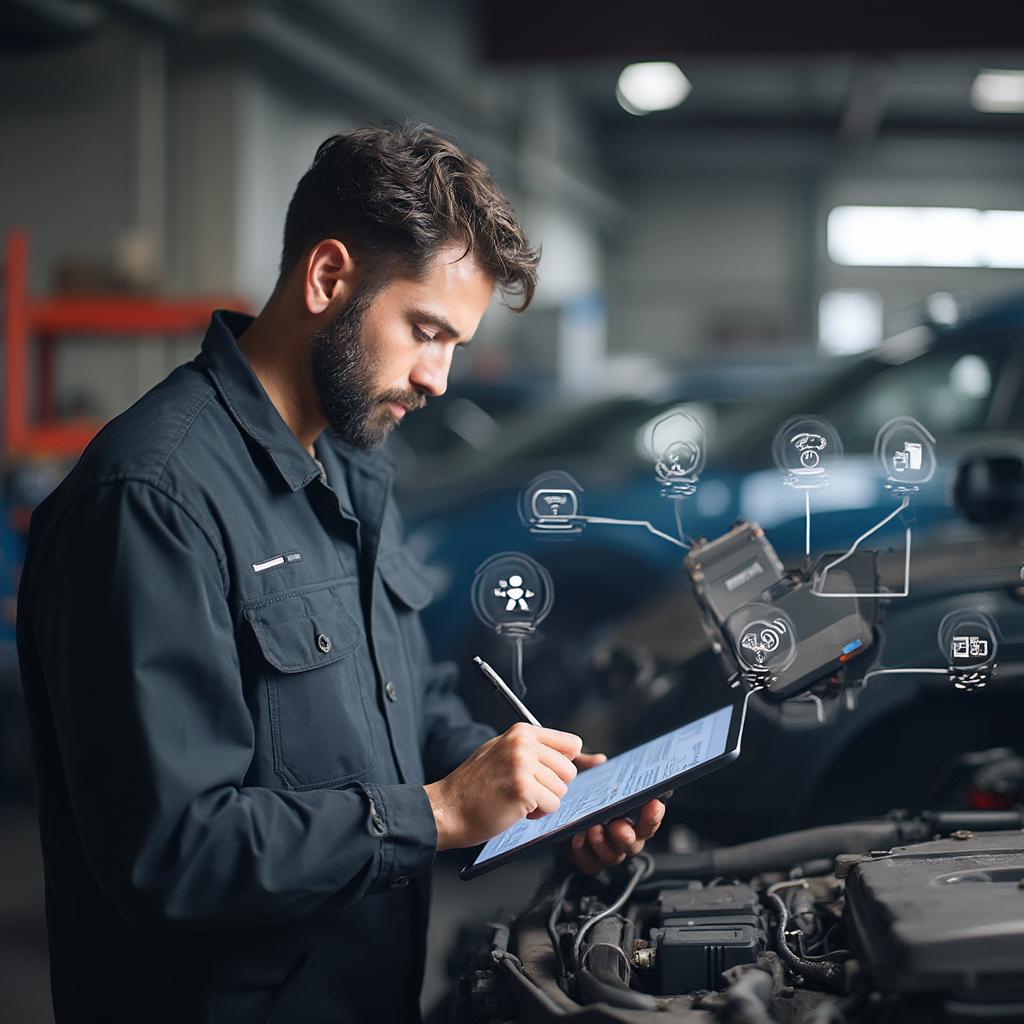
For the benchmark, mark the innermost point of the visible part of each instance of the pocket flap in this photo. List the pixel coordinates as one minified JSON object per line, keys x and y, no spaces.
{"x":407,"y":578}
{"x":304,"y":631}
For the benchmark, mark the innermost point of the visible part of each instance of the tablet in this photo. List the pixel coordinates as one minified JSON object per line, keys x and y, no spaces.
{"x":622,"y":784}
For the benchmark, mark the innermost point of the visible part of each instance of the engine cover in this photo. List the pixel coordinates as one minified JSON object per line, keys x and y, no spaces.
{"x":945,"y":916}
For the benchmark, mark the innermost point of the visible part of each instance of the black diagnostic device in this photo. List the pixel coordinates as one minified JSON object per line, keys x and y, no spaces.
{"x":741,"y":569}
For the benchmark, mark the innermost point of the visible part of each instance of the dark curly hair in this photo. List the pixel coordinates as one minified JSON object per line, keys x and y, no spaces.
{"x":397,"y":194}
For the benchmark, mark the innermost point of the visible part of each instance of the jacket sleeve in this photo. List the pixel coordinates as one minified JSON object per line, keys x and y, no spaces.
{"x":134,"y":635}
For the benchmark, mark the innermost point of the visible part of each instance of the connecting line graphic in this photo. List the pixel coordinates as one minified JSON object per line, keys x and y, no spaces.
{"x":807,"y":518}
{"x":634,"y":522}
{"x":679,"y":521}
{"x":904,"y":671}
{"x":905,"y":592}
{"x":518,"y":683}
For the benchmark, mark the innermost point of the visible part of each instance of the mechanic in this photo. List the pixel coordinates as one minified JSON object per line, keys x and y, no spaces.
{"x":246,"y":762}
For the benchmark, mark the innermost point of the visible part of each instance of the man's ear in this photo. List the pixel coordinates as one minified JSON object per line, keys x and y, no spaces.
{"x":330,"y":276}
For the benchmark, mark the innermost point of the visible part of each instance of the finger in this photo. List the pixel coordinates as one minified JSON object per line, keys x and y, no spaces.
{"x":561,"y":765}
{"x":622,"y":834}
{"x":566,"y":743}
{"x":550,"y":781}
{"x":604,"y":851}
{"x":583,"y":857}
{"x":651,"y":815}
{"x":585,"y":761}
{"x":546,"y":801}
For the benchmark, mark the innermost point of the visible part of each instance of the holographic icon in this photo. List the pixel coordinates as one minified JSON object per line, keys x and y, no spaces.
{"x":805,"y":448}
{"x":907,"y":458}
{"x":677,"y":444}
{"x":550,"y":504}
{"x":676,"y":470}
{"x":762,"y":643}
{"x":810,"y":447}
{"x":765,"y":642}
{"x":555,"y":508}
{"x":512,"y":594}
{"x":968,"y":640}
{"x":906,"y":451}
{"x":969,"y":648}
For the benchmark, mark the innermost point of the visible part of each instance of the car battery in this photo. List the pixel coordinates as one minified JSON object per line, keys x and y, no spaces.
{"x":704,"y":931}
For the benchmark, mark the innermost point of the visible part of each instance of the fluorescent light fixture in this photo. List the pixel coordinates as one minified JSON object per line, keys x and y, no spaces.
{"x":925,"y":236}
{"x":998,"y":92}
{"x":653,"y":85}
{"x":1003,"y":238}
{"x":849,"y":321}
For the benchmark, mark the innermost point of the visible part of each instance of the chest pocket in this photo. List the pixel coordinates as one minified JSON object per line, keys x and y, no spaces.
{"x":311,"y":649}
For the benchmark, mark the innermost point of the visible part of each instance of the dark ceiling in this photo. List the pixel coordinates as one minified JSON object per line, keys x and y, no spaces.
{"x":563,"y":30}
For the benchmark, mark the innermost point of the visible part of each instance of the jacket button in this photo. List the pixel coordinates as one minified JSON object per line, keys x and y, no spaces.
{"x":400,"y":882}
{"x":391,"y":691}
{"x":323,"y":641}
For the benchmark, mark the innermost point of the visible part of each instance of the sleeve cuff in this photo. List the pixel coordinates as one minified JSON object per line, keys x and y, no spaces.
{"x":400,"y":816}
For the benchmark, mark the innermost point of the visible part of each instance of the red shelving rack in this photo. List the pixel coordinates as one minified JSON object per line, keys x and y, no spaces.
{"x":42,"y":321}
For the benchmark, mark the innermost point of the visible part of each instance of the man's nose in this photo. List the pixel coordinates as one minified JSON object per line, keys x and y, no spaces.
{"x":431,"y":374}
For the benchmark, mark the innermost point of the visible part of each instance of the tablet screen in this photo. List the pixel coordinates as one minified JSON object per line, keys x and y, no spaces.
{"x":621,"y":777}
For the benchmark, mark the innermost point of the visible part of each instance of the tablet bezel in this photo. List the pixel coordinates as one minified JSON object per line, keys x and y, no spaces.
{"x":630,"y":803}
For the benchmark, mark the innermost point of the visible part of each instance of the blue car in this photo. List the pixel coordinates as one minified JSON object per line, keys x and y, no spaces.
{"x":964,"y":384}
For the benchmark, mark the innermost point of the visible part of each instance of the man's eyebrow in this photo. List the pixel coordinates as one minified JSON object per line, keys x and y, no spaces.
{"x":430,"y":317}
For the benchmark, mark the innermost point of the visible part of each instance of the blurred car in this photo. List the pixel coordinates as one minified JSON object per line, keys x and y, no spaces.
{"x":963,"y":383}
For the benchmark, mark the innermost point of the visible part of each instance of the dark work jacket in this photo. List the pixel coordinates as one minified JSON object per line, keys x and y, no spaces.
{"x":233,"y":712}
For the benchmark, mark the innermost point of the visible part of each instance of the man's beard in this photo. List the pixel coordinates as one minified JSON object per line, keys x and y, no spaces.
{"x":343,"y":373}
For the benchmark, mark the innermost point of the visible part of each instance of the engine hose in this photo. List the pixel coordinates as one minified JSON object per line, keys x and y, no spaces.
{"x":782,"y":852}
{"x":598,"y":974}
{"x":778,"y":853}
{"x":822,"y":973}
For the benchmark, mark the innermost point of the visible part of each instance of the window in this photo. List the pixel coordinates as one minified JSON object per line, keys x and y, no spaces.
{"x":925,"y":236}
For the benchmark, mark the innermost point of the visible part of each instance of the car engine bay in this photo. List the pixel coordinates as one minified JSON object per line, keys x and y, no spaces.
{"x":902,"y":919}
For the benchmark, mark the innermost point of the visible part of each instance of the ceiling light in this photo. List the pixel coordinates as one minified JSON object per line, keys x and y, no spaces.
{"x":998,"y":92}
{"x":653,"y":85}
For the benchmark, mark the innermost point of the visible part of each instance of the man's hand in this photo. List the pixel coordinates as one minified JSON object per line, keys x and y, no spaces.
{"x":601,"y":846}
{"x":524,"y":773}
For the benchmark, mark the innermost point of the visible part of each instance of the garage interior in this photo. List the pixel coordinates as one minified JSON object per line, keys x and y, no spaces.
{"x":828,"y":209}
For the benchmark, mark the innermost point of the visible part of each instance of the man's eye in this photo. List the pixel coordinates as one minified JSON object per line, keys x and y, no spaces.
{"x":421,"y":334}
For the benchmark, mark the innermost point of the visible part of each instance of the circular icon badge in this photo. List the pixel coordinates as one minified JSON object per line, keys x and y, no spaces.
{"x":550,"y":505}
{"x":677,"y":444}
{"x":969,"y":641}
{"x":906,"y":451}
{"x":512,"y":594}
{"x":805,"y":448}
{"x":764,"y":640}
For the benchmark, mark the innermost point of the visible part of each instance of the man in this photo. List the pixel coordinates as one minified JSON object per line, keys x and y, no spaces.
{"x":246,"y":762}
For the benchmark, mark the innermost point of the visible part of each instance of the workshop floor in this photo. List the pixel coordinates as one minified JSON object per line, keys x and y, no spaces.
{"x":24,"y":968}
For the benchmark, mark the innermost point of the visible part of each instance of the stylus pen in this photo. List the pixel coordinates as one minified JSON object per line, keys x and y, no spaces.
{"x":503,"y":688}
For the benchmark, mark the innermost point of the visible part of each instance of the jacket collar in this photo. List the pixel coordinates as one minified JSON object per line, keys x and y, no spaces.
{"x":248,"y":403}
{"x":252,"y":409}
